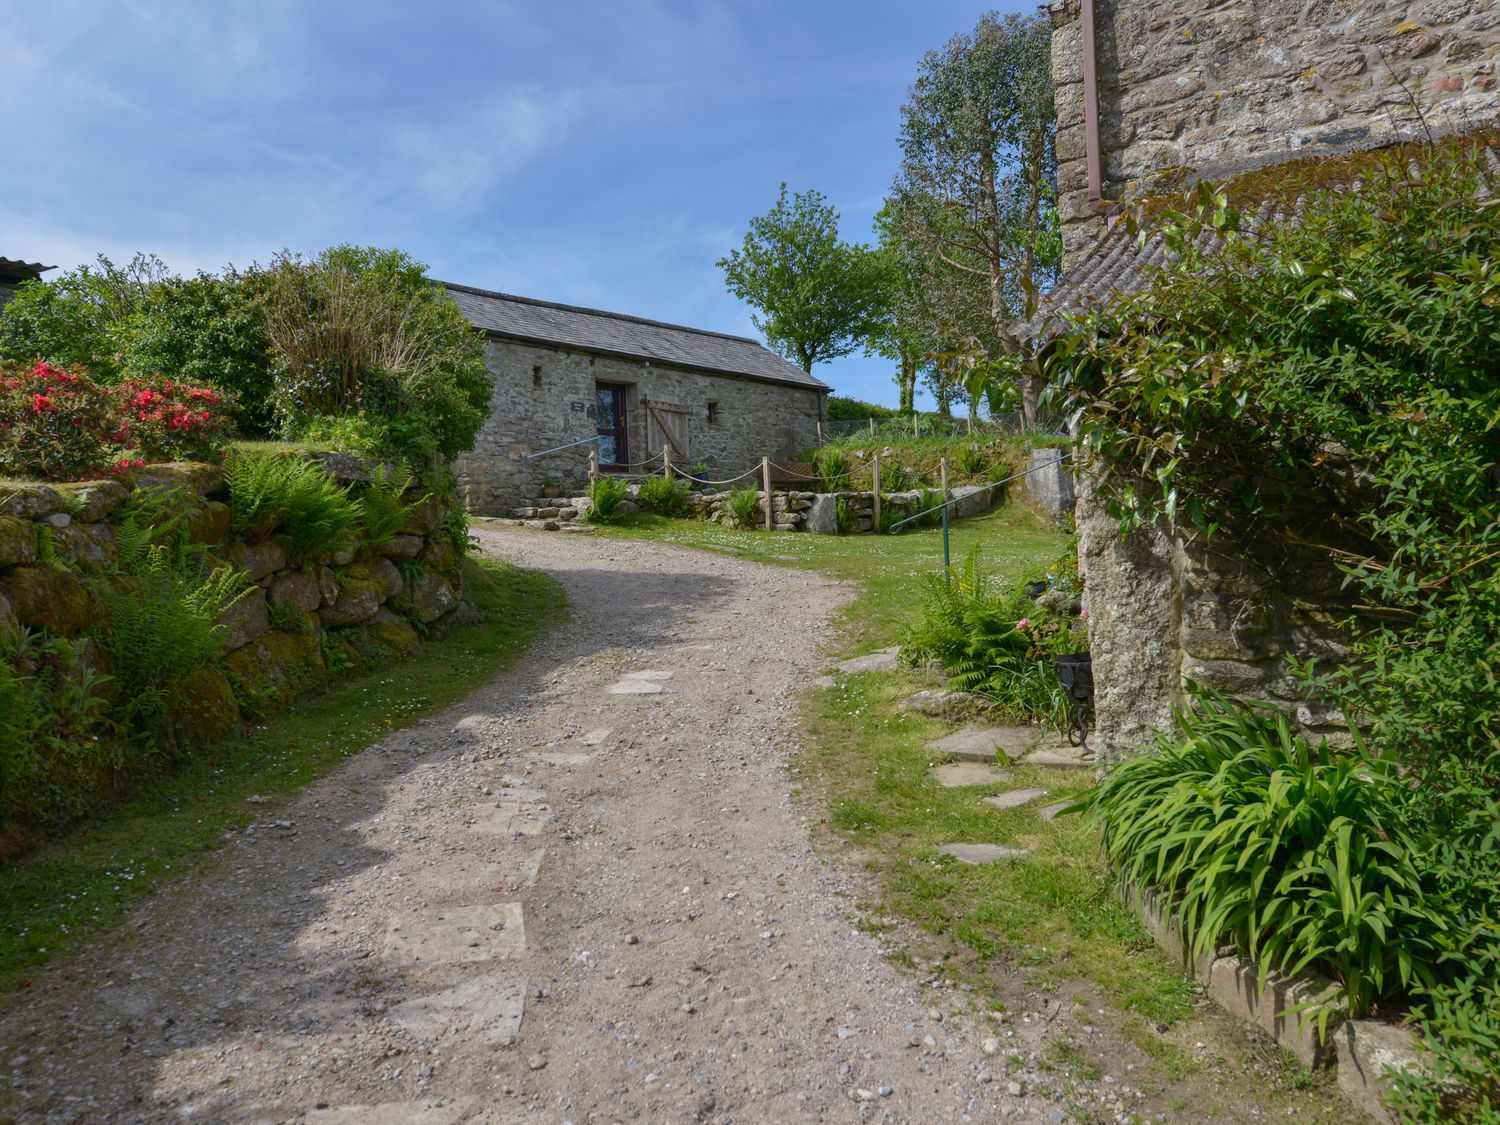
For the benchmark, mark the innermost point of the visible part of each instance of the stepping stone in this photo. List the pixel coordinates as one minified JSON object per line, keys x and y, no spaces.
{"x":639,"y":683}
{"x":955,"y":706}
{"x":438,"y":1111}
{"x":1015,"y":798}
{"x":824,"y":682}
{"x":980,"y":744}
{"x":488,"y":1009}
{"x":457,"y":934}
{"x":509,"y":817}
{"x":881,"y":660}
{"x":1060,"y":756}
{"x":956,"y":775}
{"x":975,"y":854}
{"x":1051,"y":811}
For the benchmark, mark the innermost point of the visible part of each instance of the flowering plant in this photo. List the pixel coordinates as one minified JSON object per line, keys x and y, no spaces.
{"x":168,"y":420}
{"x":53,"y":424}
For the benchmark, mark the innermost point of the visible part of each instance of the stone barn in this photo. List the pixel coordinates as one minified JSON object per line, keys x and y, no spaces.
{"x":588,"y":379}
{"x":1152,"y":96}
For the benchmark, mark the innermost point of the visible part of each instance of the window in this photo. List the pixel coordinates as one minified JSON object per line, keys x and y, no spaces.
{"x":614,"y":444}
{"x":536,"y":375}
{"x":713,"y":413}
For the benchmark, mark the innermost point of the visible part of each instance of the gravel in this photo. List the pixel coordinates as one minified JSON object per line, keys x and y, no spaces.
{"x":681,"y":951}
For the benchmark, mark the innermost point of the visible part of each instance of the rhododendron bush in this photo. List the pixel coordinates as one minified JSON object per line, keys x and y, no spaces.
{"x":57,"y":425}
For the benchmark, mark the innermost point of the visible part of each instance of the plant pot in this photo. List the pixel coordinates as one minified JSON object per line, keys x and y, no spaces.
{"x":550,"y":491}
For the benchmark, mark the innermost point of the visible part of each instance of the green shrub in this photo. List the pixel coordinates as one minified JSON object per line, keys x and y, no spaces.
{"x":833,"y":466}
{"x":606,"y":496}
{"x":52,"y":758}
{"x":894,"y":478}
{"x":54,"y":425}
{"x":743,"y":506}
{"x":1294,"y":853}
{"x":346,"y":433}
{"x":363,"y":331}
{"x":269,"y":490}
{"x":998,"y":644}
{"x":845,"y":515}
{"x":382,"y":508}
{"x":160,"y":624}
{"x":662,"y":496}
{"x":969,"y":461}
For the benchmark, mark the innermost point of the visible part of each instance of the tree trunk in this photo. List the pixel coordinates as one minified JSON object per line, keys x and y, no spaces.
{"x":906,"y":382}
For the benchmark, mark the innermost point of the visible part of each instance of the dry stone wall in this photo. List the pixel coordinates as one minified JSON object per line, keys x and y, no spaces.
{"x":1223,"y":86}
{"x":303,"y":620}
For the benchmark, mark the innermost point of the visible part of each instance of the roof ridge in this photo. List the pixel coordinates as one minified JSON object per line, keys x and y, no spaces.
{"x":597,"y":312}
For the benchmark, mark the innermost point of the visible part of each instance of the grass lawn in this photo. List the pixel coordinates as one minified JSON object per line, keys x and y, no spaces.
{"x":85,"y":881}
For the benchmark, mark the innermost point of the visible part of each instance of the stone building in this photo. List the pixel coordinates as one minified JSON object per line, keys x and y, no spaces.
{"x":628,"y":387}
{"x":1152,"y":95}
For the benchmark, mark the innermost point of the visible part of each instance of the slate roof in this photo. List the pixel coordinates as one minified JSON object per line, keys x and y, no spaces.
{"x":630,"y":337}
{"x":1120,"y":262}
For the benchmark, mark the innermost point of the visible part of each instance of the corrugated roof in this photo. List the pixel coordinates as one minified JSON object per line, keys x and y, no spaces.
{"x":615,"y":334}
{"x":1122,"y":262}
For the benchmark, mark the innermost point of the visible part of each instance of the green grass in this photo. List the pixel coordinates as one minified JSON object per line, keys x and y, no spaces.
{"x":269,"y":446}
{"x":1056,"y":909}
{"x":85,"y":881}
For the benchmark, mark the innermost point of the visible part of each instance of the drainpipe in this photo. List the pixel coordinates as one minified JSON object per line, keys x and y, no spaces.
{"x":1091,"y":108}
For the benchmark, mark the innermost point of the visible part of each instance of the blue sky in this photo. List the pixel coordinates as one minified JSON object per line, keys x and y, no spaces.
{"x":596,"y":153}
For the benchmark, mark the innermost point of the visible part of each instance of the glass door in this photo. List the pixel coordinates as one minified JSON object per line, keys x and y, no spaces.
{"x":614,"y":445}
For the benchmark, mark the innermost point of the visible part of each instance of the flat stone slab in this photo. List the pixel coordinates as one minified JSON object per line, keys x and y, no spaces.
{"x":438,"y":1111}
{"x":881,"y":660}
{"x":955,"y":706}
{"x":1051,"y":811}
{"x":634,"y":687}
{"x":975,"y":854}
{"x":649,"y":676}
{"x":981,"y":744}
{"x":511,"y":817}
{"x":457,"y":934}
{"x":594,"y":737}
{"x":956,"y":775}
{"x":555,"y":758}
{"x":488,"y":1009}
{"x":1015,"y":798}
{"x":1060,"y":756}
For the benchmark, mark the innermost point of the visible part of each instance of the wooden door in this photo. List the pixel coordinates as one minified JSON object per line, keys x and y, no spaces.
{"x":667,"y":425}
{"x":614,"y":426}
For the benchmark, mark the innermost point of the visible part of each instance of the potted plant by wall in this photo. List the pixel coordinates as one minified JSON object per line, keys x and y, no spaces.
{"x":550,"y":487}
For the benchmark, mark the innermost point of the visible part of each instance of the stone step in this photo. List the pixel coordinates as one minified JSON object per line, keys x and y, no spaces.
{"x":982,"y":744}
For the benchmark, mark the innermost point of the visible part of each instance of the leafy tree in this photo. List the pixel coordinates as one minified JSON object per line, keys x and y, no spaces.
{"x":977,"y":169}
{"x":905,"y":333}
{"x":362,"y":332}
{"x":206,"y":329}
{"x":818,"y":297}
{"x":78,"y":321}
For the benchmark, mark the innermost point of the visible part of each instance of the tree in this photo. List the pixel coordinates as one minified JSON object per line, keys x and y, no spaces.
{"x":818,"y":297}
{"x":977,"y":169}
{"x":905,"y":331}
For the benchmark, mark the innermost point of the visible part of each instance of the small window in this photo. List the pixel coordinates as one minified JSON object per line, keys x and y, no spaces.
{"x":536,"y":375}
{"x":713,"y":413}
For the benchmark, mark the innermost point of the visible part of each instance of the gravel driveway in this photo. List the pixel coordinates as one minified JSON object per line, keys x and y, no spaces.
{"x":584,"y":894}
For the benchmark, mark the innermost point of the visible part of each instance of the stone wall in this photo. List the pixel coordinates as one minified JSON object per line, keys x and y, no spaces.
{"x":1222,"y":86}
{"x":544,"y":397}
{"x":303,"y":621}
{"x":1167,"y":608}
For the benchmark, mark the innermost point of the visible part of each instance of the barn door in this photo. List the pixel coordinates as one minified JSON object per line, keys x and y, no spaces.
{"x":667,"y":425}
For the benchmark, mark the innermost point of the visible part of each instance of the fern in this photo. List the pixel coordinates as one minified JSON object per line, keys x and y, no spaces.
{"x":314,"y":512}
{"x":382,"y":510}
{"x":743,"y":507}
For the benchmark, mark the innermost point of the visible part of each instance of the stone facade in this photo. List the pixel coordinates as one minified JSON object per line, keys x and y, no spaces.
{"x":544,"y":397}
{"x":1223,"y":86}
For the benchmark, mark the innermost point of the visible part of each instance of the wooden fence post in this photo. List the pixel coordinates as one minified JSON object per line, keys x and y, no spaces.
{"x":872,"y":427}
{"x":666,"y":461}
{"x":916,"y":422}
{"x":875,"y":486}
{"x":765,"y":479}
{"x":820,"y":432}
{"x":593,"y":468}
{"x":943,"y":477}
